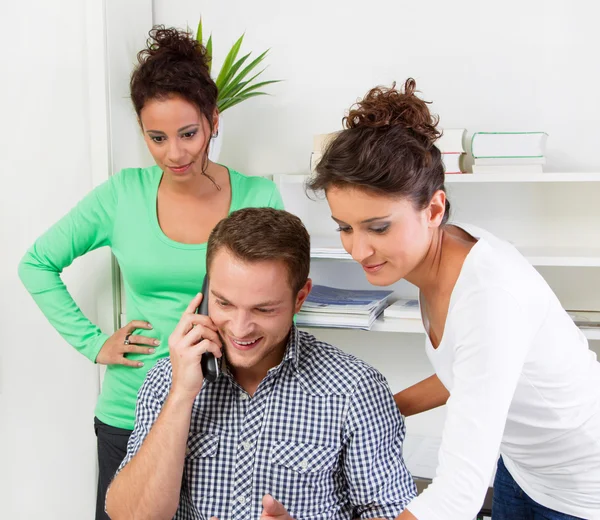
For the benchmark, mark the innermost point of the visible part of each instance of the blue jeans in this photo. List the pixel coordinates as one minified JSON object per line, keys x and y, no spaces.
{"x":510,"y":502}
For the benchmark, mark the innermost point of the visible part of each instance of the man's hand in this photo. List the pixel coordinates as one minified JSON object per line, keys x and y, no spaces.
{"x":194,"y":335}
{"x":272,"y":510}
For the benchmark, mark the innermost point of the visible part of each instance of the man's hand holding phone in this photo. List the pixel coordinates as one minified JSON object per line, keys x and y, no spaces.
{"x":194,"y":335}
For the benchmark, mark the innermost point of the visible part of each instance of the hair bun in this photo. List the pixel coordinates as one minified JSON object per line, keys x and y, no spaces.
{"x":174,"y":42}
{"x":390,"y":107}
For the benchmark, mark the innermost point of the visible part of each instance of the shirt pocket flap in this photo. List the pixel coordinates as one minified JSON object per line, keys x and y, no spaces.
{"x":303,"y":458}
{"x":202,"y":445}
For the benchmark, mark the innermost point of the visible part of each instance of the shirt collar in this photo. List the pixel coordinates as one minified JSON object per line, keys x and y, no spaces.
{"x":292,"y":350}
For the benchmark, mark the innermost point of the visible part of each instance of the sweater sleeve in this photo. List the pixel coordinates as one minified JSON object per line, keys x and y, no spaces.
{"x":86,"y":227}
{"x":275,"y":201}
{"x":491,"y":340}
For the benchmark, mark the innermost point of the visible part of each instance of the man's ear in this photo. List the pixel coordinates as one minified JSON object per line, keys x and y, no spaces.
{"x":302,"y":295}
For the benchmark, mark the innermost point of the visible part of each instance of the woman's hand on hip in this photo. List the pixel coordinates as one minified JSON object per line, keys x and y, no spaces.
{"x":123,"y":342}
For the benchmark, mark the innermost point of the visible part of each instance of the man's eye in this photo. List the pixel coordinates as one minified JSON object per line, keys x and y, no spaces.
{"x":222,"y":303}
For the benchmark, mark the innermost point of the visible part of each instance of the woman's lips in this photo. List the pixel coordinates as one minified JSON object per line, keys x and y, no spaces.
{"x":373,"y":268}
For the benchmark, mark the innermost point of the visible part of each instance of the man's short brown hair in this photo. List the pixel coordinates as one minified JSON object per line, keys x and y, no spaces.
{"x":255,"y":234}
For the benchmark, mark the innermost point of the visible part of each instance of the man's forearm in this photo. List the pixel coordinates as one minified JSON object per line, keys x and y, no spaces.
{"x":425,"y":395}
{"x":149,"y":485}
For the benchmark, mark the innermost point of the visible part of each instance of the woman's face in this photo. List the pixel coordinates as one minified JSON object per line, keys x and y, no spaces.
{"x":177,"y":135}
{"x":388,"y":236}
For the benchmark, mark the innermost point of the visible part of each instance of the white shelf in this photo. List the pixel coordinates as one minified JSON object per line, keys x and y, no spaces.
{"x":591,"y":334}
{"x":486,"y":177}
{"x":562,"y":256}
{"x":538,"y":256}
{"x":416,"y":327}
{"x":523,"y":177}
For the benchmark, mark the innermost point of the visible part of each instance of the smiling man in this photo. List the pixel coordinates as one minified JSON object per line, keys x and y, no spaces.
{"x":290,"y":416}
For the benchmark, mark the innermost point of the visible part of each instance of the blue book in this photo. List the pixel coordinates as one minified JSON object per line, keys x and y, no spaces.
{"x":347,"y":308}
{"x":352,"y":300}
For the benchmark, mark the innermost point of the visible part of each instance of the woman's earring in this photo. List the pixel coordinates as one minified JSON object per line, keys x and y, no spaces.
{"x":216,"y":134}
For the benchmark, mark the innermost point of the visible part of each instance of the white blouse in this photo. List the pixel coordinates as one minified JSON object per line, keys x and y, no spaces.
{"x":522,"y":381}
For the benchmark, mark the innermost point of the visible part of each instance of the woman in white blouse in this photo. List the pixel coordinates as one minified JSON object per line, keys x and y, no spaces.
{"x":516,"y":374}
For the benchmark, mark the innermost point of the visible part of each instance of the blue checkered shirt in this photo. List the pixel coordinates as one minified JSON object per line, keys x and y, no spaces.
{"x":321,"y":434}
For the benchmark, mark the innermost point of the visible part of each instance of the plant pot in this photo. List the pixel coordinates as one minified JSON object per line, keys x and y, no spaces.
{"x":214,"y":148}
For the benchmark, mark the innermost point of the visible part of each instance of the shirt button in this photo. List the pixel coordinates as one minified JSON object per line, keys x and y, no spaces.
{"x":246,"y":445}
{"x":241,"y":499}
{"x":304,"y":464}
{"x":188,"y":451}
{"x":243,"y":396}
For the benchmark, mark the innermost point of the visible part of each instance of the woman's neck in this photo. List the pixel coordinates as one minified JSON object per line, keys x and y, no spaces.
{"x":440,"y":268}
{"x":201,"y":185}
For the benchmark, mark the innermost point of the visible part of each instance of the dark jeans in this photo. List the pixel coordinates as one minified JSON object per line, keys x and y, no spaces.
{"x":112,"y":448}
{"x":512,"y":503}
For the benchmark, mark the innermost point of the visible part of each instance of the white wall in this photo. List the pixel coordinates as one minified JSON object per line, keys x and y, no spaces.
{"x":503,"y":65}
{"x":55,"y":147}
{"x":47,"y":444}
{"x":525,"y":65}
{"x":508,"y":65}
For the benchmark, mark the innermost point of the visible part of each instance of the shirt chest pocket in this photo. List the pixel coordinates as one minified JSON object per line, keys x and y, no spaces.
{"x":304,"y":476}
{"x":201,"y":465}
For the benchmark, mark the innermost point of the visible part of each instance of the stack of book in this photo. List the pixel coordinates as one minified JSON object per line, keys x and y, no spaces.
{"x":508,"y":152}
{"x":320,"y":143}
{"x":403,"y":310}
{"x":342,"y":308}
{"x":328,"y":247}
{"x":452,"y":148}
{"x":586,"y":319}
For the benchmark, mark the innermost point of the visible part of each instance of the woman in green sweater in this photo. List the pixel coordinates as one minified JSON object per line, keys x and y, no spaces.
{"x":156,"y":221}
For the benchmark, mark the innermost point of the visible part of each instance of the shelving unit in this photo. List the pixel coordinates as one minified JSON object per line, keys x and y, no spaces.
{"x":513,"y":178}
{"x":552,"y":218}
{"x":416,"y":327}
{"x":538,"y":256}
{"x":522,"y":177}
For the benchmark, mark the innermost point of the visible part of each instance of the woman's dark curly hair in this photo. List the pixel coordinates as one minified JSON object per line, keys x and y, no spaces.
{"x":387,"y":147}
{"x":173,"y":63}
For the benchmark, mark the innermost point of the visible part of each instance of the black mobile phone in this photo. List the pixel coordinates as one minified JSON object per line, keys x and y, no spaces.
{"x":210,"y":364}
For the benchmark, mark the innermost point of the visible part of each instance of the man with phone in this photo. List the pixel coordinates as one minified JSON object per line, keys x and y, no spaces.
{"x":291,"y":428}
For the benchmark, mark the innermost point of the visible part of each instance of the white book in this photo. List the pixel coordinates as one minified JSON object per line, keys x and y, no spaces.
{"x":585,"y":319}
{"x":508,"y":161}
{"x":321,"y":141}
{"x":403,"y":309}
{"x":327,"y":247}
{"x":452,"y":162}
{"x":451,"y":140}
{"x":315,"y":157}
{"x":508,"y":144}
{"x":512,"y":168}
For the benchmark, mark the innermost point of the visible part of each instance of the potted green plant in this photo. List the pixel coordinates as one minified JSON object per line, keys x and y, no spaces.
{"x":236,"y":81}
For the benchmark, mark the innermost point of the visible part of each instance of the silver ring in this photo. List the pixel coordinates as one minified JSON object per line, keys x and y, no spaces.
{"x":126,"y":341}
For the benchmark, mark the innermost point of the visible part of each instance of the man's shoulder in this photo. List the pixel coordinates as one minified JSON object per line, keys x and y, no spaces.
{"x":158,"y":380}
{"x":327,"y":370}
